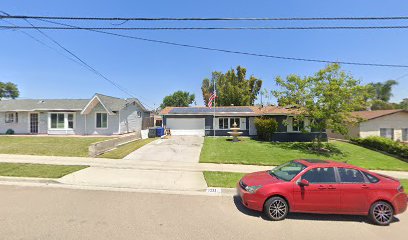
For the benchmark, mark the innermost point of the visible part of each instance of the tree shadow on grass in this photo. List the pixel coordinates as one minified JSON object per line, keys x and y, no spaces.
{"x":306,"y":216}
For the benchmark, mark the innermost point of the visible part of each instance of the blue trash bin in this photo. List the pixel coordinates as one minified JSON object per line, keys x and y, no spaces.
{"x":159,"y":131}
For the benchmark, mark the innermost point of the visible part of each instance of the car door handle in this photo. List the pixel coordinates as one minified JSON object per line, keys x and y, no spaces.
{"x":365,"y":186}
{"x":321,"y":187}
{"x":331,"y":187}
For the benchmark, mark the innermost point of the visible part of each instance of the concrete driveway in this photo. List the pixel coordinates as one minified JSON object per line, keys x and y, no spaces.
{"x":174,"y":149}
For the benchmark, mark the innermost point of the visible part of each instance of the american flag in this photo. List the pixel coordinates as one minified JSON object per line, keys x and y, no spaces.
{"x":211,"y":99}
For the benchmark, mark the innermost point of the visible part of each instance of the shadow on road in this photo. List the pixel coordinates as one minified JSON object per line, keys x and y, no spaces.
{"x":305,"y":216}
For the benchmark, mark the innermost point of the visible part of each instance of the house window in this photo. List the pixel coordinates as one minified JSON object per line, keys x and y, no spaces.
{"x":57,"y":120}
{"x":70,"y":120}
{"x":11,"y":118}
{"x":223,"y":123}
{"x":297,"y":125}
{"x":405,"y":134}
{"x":139,"y":114}
{"x":236,"y":120}
{"x":387,"y":133}
{"x":101,"y":120}
{"x":61,"y":120}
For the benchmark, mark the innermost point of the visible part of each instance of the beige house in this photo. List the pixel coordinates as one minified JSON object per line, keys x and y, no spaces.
{"x":391,"y":124}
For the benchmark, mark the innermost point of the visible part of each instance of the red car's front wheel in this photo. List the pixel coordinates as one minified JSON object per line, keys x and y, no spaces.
{"x":381,"y":213}
{"x":276,"y":208}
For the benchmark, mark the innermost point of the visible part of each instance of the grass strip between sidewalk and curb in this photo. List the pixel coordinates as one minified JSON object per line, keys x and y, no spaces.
{"x":230,"y":179}
{"x":126,"y":149}
{"x":37,"y":170}
{"x":222,"y":179}
{"x":253,"y":152}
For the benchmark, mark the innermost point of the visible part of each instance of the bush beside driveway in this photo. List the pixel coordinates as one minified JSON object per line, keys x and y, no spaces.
{"x":249,"y":151}
{"x":47,"y":146}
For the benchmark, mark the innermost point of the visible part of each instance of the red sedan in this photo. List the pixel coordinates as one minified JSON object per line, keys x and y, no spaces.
{"x":322,"y":186}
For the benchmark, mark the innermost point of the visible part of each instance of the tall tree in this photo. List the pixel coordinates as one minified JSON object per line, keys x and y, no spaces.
{"x":326,"y":98}
{"x":383,"y":90}
{"x":178,"y":99}
{"x":233,"y":88}
{"x":9,"y":90}
{"x":403,"y":104}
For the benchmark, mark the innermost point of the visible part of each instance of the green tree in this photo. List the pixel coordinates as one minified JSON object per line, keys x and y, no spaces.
{"x":383,"y":91}
{"x":178,"y":99}
{"x":8,"y":90}
{"x":232,"y":88}
{"x":381,"y":105}
{"x":403,"y":104}
{"x":327,"y":98}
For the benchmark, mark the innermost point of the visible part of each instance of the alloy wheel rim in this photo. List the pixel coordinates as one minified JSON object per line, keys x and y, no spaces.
{"x":382,"y":213}
{"x":277,"y":209}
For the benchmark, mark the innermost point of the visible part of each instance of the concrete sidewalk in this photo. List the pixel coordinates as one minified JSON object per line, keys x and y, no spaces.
{"x":151,"y":165}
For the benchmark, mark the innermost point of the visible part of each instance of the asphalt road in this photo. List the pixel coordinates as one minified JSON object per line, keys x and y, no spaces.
{"x":51,"y":213}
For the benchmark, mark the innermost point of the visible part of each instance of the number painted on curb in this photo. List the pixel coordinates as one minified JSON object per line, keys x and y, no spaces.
{"x":213,"y":190}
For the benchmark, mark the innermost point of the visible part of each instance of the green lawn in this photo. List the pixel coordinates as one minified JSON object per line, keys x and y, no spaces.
{"x":404,"y":183}
{"x":37,"y":170}
{"x":249,"y":151}
{"x":126,"y":149}
{"x":48,"y":146}
{"x":230,"y":179}
{"x":222,"y":179}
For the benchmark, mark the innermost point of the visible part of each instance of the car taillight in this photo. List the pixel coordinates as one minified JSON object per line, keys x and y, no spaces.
{"x":400,"y":188}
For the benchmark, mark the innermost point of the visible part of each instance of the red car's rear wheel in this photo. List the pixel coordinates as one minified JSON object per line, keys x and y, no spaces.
{"x":276,"y":208}
{"x":381,"y":213}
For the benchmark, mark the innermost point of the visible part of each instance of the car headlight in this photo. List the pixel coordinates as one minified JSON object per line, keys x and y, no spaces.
{"x":252,"y":189}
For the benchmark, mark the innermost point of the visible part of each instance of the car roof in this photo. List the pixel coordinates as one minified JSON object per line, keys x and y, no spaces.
{"x":325,"y":163}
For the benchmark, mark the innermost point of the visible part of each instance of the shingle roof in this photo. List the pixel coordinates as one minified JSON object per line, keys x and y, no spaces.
{"x":42,"y":104}
{"x":367,"y":115}
{"x":228,"y":110}
{"x":112,"y":103}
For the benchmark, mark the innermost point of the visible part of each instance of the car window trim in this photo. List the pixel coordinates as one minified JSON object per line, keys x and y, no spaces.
{"x":364,"y":176}
{"x":335,"y":176}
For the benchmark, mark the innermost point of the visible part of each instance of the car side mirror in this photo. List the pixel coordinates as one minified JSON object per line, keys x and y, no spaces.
{"x":303,"y":183}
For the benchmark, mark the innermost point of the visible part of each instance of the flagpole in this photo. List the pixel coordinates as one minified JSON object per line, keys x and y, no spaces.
{"x":214,"y":92}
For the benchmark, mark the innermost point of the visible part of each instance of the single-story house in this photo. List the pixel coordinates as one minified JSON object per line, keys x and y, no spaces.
{"x":100,"y":115}
{"x":218,"y":121}
{"x":391,"y":124}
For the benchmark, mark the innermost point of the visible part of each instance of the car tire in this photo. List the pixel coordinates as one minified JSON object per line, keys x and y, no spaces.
{"x":276,"y":208}
{"x":381,"y":213}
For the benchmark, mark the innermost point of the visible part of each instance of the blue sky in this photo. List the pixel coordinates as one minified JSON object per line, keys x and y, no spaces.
{"x":151,"y":71}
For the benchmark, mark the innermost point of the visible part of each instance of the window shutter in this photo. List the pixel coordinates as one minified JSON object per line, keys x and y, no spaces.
{"x":216,"y":123}
{"x":290,"y":124}
{"x":243,"y":123}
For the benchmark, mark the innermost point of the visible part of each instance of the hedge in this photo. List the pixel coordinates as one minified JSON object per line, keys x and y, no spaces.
{"x":383,"y":144}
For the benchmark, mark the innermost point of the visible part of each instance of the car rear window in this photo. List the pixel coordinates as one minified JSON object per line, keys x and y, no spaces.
{"x":349,"y":175}
{"x":371,"y":178}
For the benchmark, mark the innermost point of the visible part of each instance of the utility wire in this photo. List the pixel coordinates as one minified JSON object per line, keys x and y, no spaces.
{"x":209,"y":28}
{"x":87,"y":65}
{"x":208,"y":19}
{"x":228,"y":51}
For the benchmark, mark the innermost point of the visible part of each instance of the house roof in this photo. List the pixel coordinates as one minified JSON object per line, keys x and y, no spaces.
{"x":368,"y":115}
{"x":228,"y":111}
{"x":110,"y":103}
{"x":42,"y":104}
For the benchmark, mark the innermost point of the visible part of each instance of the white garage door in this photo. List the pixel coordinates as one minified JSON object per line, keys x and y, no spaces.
{"x":186,"y":126}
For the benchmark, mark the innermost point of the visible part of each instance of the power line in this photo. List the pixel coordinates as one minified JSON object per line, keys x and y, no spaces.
{"x":208,"y":19}
{"x":86,"y":64}
{"x":209,"y":28}
{"x":229,"y":51}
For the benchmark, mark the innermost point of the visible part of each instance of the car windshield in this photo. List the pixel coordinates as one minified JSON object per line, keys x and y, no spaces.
{"x":287,"y":171}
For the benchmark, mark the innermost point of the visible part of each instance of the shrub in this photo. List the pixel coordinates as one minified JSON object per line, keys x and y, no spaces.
{"x":383,"y":144}
{"x":265,"y":127}
{"x":10,"y":132}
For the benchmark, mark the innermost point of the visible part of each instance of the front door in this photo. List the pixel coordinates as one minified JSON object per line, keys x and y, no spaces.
{"x":322,"y":195}
{"x":33,"y":123}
